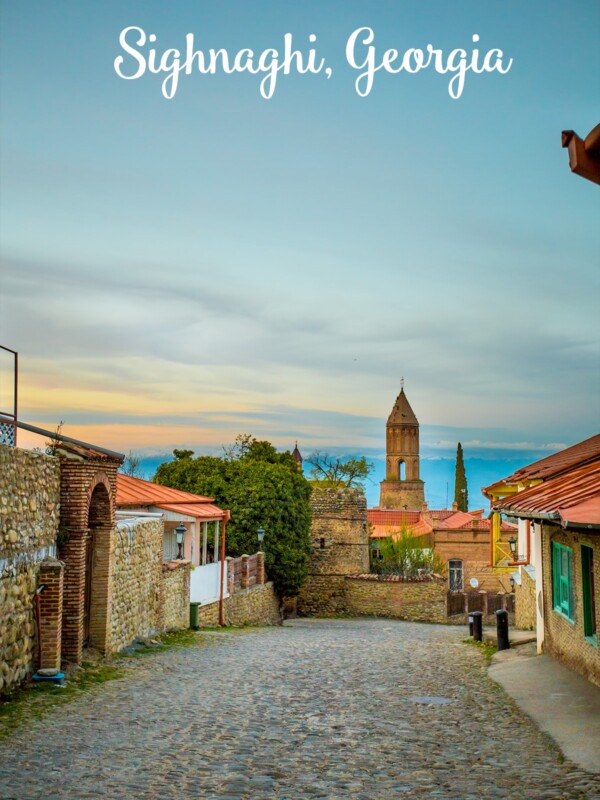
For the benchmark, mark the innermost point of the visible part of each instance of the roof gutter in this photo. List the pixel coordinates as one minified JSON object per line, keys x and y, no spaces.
{"x":62,"y":438}
{"x":550,"y":516}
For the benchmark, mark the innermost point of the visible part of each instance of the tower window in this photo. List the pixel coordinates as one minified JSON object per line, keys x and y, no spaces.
{"x":322,"y":543}
{"x":401,"y":471}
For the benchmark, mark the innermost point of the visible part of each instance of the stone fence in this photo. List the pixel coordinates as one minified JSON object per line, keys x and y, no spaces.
{"x":29,"y":515}
{"x":421,"y":600}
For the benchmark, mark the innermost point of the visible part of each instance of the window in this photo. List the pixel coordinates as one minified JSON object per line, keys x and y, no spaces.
{"x":455,"y":575}
{"x":562,"y":581}
{"x":589,"y":602}
{"x":401,"y":471}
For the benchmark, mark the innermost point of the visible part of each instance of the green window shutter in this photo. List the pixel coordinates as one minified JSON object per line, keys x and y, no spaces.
{"x":562,"y":580}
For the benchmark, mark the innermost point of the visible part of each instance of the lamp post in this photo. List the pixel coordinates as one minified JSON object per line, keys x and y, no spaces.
{"x":261,"y":535}
{"x":512,"y":543}
{"x":180,"y":534}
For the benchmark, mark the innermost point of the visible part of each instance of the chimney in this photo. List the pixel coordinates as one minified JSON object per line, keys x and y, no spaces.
{"x":455,"y":506}
{"x":424,"y":507}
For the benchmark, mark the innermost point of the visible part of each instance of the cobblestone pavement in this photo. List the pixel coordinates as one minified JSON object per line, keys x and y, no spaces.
{"x":317,"y":709}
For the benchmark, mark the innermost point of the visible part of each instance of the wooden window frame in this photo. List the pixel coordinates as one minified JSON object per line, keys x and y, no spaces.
{"x":562,"y":581}
{"x":588,"y":595}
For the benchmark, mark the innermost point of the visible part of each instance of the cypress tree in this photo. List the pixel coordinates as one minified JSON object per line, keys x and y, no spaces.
{"x":461,"y":494}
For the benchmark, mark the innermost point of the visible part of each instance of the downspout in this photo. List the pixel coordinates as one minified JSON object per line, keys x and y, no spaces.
{"x":222,"y":588}
{"x":38,"y":622}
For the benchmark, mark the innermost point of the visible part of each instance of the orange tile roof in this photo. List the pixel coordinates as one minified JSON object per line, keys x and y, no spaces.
{"x":205,"y":511}
{"x":579,"y":453}
{"x":384,"y":516}
{"x":388,"y":522}
{"x":571,"y":499}
{"x":135,"y":491}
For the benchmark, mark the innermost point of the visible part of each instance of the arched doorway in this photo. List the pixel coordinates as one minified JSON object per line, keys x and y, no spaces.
{"x":96,"y":567}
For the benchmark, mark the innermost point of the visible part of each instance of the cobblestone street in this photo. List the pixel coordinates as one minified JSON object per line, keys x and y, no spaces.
{"x":363,"y":709}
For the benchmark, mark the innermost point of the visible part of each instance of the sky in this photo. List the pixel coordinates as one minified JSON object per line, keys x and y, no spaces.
{"x":174,"y":272}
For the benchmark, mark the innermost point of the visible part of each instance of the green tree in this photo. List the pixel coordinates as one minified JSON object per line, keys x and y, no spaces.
{"x":461,"y":492}
{"x":328,"y":470}
{"x":406,"y":555}
{"x":261,"y":488}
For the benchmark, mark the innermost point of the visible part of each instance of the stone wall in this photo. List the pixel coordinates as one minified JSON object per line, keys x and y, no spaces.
{"x":418,"y":601}
{"x":565,"y":639}
{"x":136,"y":581}
{"x":525,"y":603}
{"x":256,"y":606}
{"x":340,"y":547}
{"x":175,"y":596}
{"x":29,"y":508}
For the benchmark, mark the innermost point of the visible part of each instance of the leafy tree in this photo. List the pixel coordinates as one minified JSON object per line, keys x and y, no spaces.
{"x":406,"y":555}
{"x":330,"y":470}
{"x":461,"y":493}
{"x":261,"y":488}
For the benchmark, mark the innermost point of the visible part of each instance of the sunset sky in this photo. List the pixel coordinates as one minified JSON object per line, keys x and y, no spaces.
{"x":174,"y":272}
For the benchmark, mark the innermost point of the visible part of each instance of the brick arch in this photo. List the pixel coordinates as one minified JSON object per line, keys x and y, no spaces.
{"x":101,"y":479}
{"x":98,"y":564}
{"x":88,"y":488}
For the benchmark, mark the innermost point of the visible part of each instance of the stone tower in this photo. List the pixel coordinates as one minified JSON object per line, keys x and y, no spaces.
{"x":402,"y":487}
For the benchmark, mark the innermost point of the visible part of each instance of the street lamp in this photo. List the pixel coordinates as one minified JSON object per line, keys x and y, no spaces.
{"x":180,"y":534}
{"x":261,"y":535}
{"x":512,"y":543}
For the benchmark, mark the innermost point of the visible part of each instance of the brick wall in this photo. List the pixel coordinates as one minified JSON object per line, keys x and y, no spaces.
{"x":87,"y":521}
{"x":473,"y":549}
{"x":525,"y":602}
{"x":29,"y":509}
{"x":340,"y":547}
{"x":256,"y":606}
{"x":419,"y":601}
{"x":565,"y":639}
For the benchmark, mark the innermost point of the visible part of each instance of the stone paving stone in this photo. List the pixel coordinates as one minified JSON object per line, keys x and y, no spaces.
{"x":330,"y":709}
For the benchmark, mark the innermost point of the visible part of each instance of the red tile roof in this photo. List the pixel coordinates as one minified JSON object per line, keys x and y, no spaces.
{"x":205,"y":511}
{"x":580,"y":453}
{"x":135,"y":491}
{"x":384,"y":516}
{"x":572,"y":499}
{"x":388,"y":522}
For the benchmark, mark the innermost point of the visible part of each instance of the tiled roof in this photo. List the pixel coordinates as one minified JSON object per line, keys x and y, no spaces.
{"x":579,"y":453}
{"x":402,"y":413}
{"x":388,"y":522}
{"x":384,"y":516}
{"x":205,"y":511}
{"x":572,"y":498}
{"x":135,"y":491}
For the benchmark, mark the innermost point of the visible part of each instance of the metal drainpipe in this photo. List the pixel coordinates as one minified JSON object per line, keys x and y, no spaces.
{"x":38,"y":622}
{"x":221,"y":590}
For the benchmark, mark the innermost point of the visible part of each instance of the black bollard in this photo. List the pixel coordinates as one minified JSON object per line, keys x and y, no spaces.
{"x":470,"y":625}
{"x":477,"y":626}
{"x":502,"y":629}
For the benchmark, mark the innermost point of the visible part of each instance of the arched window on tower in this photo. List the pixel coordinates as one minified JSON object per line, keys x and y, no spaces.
{"x":401,"y":471}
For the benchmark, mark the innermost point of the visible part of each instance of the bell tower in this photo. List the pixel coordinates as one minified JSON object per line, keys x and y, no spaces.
{"x":402,"y":487}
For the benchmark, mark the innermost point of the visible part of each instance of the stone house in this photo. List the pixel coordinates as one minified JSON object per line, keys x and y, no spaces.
{"x":560,"y":509}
